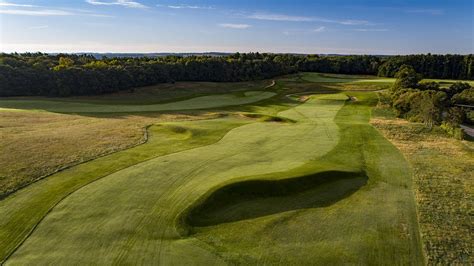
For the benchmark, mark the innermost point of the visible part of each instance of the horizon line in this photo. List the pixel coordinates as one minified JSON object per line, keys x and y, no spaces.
{"x":227,"y":52}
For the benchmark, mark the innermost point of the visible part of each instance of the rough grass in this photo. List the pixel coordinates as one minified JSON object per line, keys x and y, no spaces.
{"x":443,"y":171}
{"x":135,"y":215}
{"x":202,"y":102}
{"x":36,"y":144}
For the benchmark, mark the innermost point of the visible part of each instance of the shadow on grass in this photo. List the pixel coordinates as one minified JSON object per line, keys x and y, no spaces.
{"x":257,"y":198}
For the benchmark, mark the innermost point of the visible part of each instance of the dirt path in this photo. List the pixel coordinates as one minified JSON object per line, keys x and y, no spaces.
{"x":271,"y":85}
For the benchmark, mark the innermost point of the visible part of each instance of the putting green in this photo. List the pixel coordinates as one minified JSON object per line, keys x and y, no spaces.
{"x":203,"y":102}
{"x":141,"y":214}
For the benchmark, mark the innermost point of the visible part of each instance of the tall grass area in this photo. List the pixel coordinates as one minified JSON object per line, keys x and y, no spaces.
{"x":444,"y":184}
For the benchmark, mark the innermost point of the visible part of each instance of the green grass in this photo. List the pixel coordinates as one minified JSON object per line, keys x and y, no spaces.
{"x":448,"y":82}
{"x":366,"y":80}
{"x":375,"y":225}
{"x":24,"y":209}
{"x":166,"y":92}
{"x":202,"y":102}
{"x":139,"y":211}
{"x":339,"y":78}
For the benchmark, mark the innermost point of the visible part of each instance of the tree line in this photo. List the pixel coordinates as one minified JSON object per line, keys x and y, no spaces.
{"x":71,"y":74}
{"x":431,"y":103}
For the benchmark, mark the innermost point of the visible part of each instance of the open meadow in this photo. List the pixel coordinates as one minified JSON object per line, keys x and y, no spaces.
{"x":288,"y":171}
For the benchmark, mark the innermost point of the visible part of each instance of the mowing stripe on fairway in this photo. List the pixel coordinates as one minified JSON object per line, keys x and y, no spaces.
{"x":137,"y":215}
{"x":375,"y":225}
{"x":203,"y":102}
{"x":129,"y":216}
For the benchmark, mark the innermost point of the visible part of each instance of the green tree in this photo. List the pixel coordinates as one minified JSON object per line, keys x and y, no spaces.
{"x":65,"y":61}
{"x":406,"y":77}
{"x":455,"y":116}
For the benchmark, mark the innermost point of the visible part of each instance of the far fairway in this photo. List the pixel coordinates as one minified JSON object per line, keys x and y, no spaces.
{"x":203,"y":102}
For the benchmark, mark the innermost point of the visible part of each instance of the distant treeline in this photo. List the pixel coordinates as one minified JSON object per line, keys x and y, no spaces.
{"x":66,"y":74}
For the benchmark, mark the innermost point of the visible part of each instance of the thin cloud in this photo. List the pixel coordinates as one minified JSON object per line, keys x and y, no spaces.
{"x":353,"y":22}
{"x":186,"y":7}
{"x":305,"y":31}
{"x":2,"y":3}
{"x":41,"y":12}
{"x":434,"y":12}
{"x":235,"y":26}
{"x":282,"y":17}
{"x":320,"y":29}
{"x":125,"y":3}
{"x":371,"y":30}
{"x":279,"y":17}
{"x":32,"y":10}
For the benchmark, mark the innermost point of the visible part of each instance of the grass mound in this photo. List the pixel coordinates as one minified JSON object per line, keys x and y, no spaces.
{"x":256,"y":198}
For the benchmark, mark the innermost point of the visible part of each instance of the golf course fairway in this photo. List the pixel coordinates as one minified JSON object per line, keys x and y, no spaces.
{"x":203,"y":102}
{"x":241,"y":192}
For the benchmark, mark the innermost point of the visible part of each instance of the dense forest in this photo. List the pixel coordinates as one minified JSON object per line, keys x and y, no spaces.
{"x":70,"y":74}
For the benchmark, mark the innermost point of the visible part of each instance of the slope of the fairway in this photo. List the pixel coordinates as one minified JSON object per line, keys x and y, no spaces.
{"x":133,"y":216}
{"x":203,"y":102}
{"x":256,"y":198}
{"x":374,"y":225}
{"x":22,"y":210}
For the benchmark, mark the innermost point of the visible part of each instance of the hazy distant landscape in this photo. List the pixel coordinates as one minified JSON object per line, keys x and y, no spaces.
{"x":324,"y":133}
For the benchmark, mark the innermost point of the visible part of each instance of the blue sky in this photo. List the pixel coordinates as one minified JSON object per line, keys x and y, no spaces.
{"x":297,"y":26}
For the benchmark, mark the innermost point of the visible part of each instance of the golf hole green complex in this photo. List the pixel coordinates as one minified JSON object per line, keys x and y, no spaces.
{"x":263,"y":193}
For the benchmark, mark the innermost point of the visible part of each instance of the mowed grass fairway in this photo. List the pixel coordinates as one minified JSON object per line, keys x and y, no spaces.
{"x":356,"y":81}
{"x":203,"y":102}
{"x":339,"y":78}
{"x":307,"y":183}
